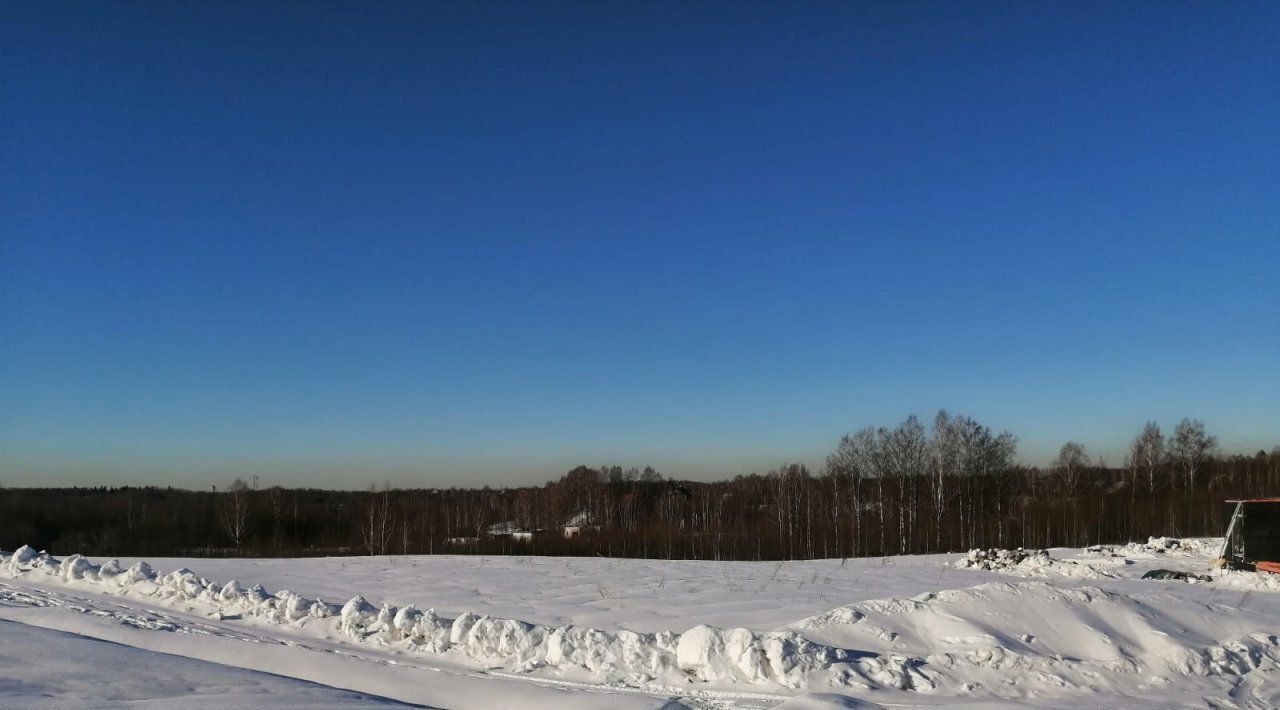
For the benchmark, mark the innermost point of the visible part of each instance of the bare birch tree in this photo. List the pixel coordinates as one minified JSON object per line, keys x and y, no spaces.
{"x":235,"y":512}
{"x":854,"y":458}
{"x":377,"y":526}
{"x":1189,"y":448}
{"x":904,"y":451}
{"x":944,"y":462}
{"x":1071,"y":462}
{"x":1146,"y":453}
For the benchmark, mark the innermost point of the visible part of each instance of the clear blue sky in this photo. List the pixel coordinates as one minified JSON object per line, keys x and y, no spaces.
{"x":482,"y":242}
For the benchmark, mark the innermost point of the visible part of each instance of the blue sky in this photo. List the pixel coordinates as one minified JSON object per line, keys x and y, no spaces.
{"x":483,"y":242}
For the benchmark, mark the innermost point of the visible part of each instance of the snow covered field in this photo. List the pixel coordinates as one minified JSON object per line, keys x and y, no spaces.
{"x":1067,"y":628}
{"x":53,"y":669}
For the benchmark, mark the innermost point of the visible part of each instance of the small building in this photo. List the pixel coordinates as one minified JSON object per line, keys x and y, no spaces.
{"x":1252,"y":540}
{"x":581,"y":521}
{"x":505,"y":528}
{"x":522,"y":535}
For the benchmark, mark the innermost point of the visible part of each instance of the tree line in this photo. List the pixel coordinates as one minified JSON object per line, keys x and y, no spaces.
{"x":952,"y":485}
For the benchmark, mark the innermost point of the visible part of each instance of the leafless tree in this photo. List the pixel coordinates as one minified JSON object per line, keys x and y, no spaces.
{"x":944,"y":464}
{"x":984,"y":457}
{"x":1189,"y":448}
{"x":1071,"y":462}
{"x":835,"y":480}
{"x":378,"y":526}
{"x":1146,"y":453}
{"x":855,"y":457}
{"x":884,"y":491}
{"x":276,"y":498}
{"x":235,"y":512}
{"x":904,"y":452}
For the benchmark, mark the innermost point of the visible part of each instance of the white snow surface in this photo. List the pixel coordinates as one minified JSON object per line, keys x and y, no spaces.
{"x":53,"y":669}
{"x":1049,"y":628}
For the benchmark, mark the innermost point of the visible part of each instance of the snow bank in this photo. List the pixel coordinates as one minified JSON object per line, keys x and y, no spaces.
{"x":22,"y":556}
{"x":786,"y":658}
{"x":1028,"y":563}
{"x":1040,"y":564}
{"x":1020,"y":639}
{"x":1246,"y":581}
{"x":1234,"y":658}
{"x":1159,"y":546}
{"x":77,"y":567}
{"x":1033,"y":637}
{"x":701,"y":654}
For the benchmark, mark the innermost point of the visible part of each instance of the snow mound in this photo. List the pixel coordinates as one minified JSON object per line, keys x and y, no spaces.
{"x":1020,"y":639}
{"x":22,"y":556}
{"x":77,"y":567}
{"x":1159,"y":546}
{"x":139,"y":572}
{"x":1028,"y":563}
{"x":708,"y":654}
{"x":1234,"y":658}
{"x":1246,"y":581}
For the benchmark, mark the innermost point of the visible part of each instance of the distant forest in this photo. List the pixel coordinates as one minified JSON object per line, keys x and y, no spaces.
{"x":949,"y":486}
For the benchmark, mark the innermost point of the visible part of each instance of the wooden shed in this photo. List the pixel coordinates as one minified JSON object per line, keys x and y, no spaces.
{"x":1252,"y":540}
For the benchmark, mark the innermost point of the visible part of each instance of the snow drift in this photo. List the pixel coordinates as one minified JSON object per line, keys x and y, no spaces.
{"x":704,"y":653}
{"x":1018,"y":639}
{"x":1028,"y":563}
